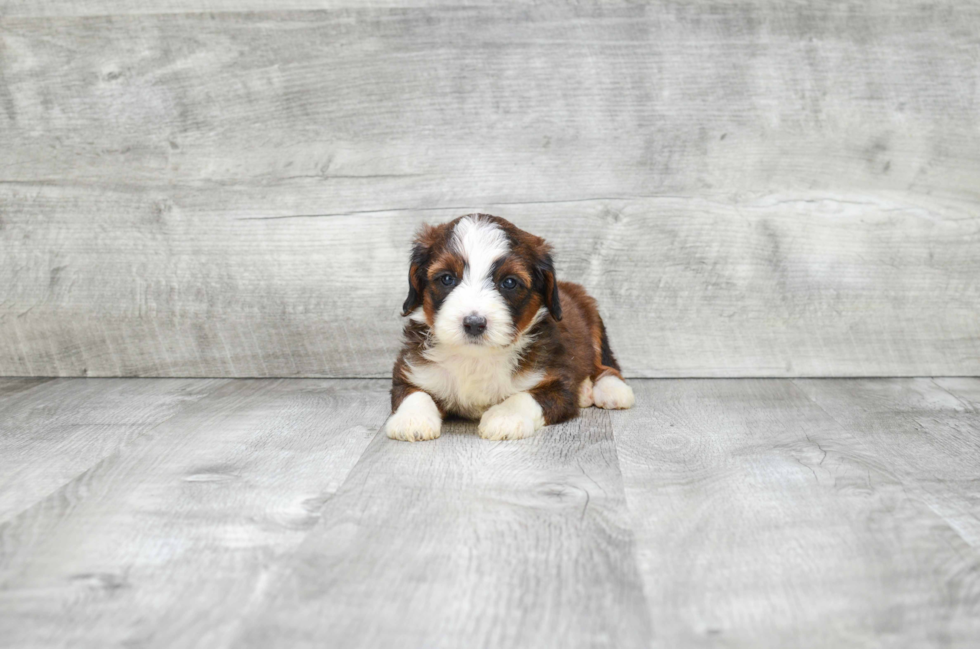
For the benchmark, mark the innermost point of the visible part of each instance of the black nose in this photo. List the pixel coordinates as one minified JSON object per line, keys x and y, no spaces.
{"x":475,"y":325}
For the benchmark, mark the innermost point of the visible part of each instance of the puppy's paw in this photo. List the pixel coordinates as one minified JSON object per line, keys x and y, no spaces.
{"x":515,"y":418}
{"x":585,"y":393}
{"x":501,"y":426}
{"x":416,"y":420}
{"x":612,"y":393}
{"x":408,"y":428}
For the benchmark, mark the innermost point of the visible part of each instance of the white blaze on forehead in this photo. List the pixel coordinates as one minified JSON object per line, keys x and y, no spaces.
{"x":480,"y":242}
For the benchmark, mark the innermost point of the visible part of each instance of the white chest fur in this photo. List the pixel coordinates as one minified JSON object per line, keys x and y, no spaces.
{"x":470,"y":383}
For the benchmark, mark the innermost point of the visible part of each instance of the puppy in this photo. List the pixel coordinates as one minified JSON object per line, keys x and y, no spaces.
{"x":493,"y":335}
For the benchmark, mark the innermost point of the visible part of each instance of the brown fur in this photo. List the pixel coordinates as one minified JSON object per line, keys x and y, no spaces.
{"x":569,"y":346}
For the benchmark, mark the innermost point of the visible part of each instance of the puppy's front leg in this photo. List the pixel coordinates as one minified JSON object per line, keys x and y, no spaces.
{"x":515,"y":417}
{"x":416,"y":419}
{"x":520,"y":415}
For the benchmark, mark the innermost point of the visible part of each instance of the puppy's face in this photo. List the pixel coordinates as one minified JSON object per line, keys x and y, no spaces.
{"x":480,"y":282}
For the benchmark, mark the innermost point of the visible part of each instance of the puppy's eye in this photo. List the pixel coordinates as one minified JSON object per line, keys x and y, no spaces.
{"x":509,"y":283}
{"x":447,"y":279}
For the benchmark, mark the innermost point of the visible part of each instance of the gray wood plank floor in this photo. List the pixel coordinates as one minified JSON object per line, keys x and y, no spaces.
{"x":717,"y":513}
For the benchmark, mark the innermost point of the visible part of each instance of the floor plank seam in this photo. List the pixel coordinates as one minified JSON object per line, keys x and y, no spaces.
{"x":966,"y":404}
{"x":632,"y":514}
{"x":917,"y":493}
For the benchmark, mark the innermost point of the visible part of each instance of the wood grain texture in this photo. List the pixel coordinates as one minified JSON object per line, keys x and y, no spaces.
{"x":10,"y":387}
{"x":464,"y":542}
{"x":965,"y":388}
{"x":61,"y":9}
{"x":57,"y":430}
{"x":165,"y":543}
{"x":928,"y":434}
{"x":754,"y":188}
{"x":716,"y":513}
{"x":762,"y":522}
{"x":794,"y":290}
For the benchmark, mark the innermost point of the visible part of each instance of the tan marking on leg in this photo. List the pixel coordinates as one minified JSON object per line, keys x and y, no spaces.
{"x":585,"y":393}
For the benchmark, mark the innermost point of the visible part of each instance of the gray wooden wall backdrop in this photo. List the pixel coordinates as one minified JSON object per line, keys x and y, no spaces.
{"x":228,"y":188}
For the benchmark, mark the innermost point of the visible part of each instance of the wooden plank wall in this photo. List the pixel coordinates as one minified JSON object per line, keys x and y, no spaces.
{"x":229,"y":188}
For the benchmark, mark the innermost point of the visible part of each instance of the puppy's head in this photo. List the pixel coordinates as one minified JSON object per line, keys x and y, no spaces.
{"x":480,"y":282}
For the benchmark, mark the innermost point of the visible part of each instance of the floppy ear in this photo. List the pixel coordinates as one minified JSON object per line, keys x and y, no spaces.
{"x":545,"y":269}
{"x":418,"y":266}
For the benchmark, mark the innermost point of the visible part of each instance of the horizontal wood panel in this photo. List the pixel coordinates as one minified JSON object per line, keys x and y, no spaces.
{"x":60,"y":8}
{"x":688,"y":287}
{"x":750,"y":190}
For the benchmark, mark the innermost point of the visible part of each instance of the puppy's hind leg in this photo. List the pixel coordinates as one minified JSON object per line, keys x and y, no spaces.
{"x":585,"y":393}
{"x":612,"y":393}
{"x":609,"y":390}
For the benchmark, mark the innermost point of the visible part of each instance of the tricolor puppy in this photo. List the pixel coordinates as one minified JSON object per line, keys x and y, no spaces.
{"x":493,"y":335}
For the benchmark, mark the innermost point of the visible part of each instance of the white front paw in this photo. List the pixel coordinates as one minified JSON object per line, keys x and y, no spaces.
{"x":500,"y":426}
{"x":416,"y":420}
{"x":516,"y":418}
{"x":612,"y":393}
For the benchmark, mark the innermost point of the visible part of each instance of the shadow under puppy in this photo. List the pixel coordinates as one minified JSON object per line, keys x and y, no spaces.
{"x":493,"y":335}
